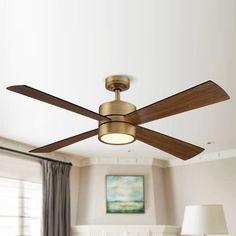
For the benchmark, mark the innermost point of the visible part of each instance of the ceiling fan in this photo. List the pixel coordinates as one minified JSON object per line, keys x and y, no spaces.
{"x":118,"y":121}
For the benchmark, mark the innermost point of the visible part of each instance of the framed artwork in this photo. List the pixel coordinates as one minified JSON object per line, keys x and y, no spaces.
{"x":125,"y":194}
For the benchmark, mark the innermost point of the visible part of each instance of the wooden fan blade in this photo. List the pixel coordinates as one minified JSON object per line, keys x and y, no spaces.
{"x":65,"y":142}
{"x":44,"y":97}
{"x":196,"y":97}
{"x":168,"y":144}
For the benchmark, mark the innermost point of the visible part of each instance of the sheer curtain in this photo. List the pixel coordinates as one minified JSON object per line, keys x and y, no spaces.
{"x":20,"y":195}
{"x":56,"y":199}
{"x":20,"y":207}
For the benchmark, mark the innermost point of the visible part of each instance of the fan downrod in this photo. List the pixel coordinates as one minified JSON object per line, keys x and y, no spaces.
{"x":117,"y":82}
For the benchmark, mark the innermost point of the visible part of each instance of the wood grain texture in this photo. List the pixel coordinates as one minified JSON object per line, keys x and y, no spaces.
{"x":173,"y":146}
{"x":44,"y":97}
{"x":65,"y":142}
{"x":202,"y":95}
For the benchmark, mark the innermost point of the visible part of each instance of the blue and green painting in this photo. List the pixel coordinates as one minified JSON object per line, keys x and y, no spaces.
{"x":125,"y":194}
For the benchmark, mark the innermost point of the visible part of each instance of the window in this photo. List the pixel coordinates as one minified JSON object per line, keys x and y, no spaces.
{"x":20,"y":208}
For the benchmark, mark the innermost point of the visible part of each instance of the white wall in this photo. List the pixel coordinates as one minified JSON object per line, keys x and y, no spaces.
{"x":92,"y":198}
{"x":167,"y":192}
{"x":159,"y":189}
{"x":203,"y":183}
{"x":74,"y":193}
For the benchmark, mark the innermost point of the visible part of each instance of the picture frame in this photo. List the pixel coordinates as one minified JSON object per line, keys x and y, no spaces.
{"x":125,"y":194}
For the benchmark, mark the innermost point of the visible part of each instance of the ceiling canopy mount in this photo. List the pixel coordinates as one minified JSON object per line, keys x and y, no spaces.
{"x":117,"y":82}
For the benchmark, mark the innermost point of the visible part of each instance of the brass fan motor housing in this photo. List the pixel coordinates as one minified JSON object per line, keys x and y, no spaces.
{"x":115,"y":110}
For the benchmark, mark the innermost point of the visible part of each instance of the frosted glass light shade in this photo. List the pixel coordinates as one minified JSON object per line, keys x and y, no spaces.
{"x":117,"y":138}
{"x":204,"y":219}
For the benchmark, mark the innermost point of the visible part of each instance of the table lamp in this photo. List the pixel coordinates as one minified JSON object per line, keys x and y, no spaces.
{"x":203,"y":220}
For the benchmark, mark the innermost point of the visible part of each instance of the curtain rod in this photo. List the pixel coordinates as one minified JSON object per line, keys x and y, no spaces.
{"x":32,"y":155}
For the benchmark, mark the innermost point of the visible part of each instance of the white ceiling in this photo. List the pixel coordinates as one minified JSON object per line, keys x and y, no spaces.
{"x":67,"y":48}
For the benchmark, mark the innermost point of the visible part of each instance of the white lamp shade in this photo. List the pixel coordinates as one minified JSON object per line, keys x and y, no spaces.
{"x":204,"y":219}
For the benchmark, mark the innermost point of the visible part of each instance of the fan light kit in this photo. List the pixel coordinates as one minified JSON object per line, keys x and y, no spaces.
{"x":118,"y":130}
{"x":118,"y":121}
